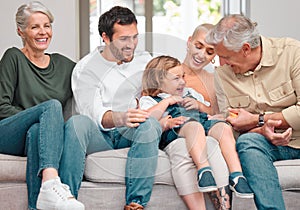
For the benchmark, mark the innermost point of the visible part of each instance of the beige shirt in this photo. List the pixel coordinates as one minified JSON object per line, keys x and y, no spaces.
{"x":274,"y":86}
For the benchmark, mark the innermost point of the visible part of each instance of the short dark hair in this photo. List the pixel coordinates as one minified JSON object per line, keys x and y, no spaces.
{"x":117,"y":14}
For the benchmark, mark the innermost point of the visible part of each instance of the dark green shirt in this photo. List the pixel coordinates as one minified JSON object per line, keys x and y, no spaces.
{"x":23,"y":84}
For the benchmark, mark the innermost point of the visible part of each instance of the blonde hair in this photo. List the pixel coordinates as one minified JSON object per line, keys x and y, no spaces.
{"x":157,"y":70}
{"x":205,"y":27}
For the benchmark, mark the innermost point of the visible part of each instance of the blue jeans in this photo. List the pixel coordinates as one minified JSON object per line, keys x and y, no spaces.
{"x":142,"y":156}
{"x":40,"y":134}
{"x":37,"y":133}
{"x":257,"y":155}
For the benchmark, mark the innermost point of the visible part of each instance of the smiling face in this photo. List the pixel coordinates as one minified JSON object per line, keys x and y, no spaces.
{"x":199,"y":53}
{"x":38,"y":33}
{"x":124,"y":42}
{"x":174,"y":83}
{"x":239,"y":61}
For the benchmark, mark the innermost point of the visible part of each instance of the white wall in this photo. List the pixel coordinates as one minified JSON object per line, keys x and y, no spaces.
{"x":276,"y":18}
{"x":65,"y":27}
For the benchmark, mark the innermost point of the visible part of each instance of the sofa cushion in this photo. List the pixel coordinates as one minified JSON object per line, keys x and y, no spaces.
{"x":289,"y":174}
{"x":109,"y":166}
{"x":12,"y":168}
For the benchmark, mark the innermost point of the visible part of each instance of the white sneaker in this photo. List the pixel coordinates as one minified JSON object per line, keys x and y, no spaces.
{"x":57,"y":196}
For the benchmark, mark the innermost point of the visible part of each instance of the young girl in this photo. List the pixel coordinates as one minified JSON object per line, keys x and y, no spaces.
{"x":177,"y":109}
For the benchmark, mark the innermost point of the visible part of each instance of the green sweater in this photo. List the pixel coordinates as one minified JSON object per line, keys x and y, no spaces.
{"x":23,"y":84}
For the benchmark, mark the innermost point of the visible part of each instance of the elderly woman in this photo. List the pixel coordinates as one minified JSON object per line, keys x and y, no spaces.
{"x":34,"y":86}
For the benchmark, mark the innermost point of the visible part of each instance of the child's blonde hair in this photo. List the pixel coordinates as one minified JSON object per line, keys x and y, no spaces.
{"x":156,"y":70}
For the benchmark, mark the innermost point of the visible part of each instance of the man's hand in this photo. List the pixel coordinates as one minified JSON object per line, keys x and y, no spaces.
{"x":242,"y":120}
{"x":133,"y":117}
{"x":278,"y":139}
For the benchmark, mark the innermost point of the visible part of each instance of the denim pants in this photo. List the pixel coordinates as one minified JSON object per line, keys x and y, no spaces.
{"x":142,"y":156}
{"x":37,"y":133}
{"x":257,"y":155}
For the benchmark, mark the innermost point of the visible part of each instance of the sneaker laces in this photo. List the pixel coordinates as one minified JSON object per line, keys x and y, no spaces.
{"x":62,"y":190}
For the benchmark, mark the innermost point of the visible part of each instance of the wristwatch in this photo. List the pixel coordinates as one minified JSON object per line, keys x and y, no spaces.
{"x":261,"y":121}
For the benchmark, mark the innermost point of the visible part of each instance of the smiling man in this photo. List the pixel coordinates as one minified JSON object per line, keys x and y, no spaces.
{"x":260,"y":83}
{"x":106,"y":84}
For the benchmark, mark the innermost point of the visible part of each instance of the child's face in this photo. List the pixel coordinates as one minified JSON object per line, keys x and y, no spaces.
{"x":174,"y":83}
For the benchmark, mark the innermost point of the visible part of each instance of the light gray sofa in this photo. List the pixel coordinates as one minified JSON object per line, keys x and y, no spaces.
{"x":104,"y":185}
{"x":104,"y":188}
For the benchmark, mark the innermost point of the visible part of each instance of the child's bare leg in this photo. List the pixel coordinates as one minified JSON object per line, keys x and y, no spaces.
{"x":223,"y":133}
{"x":196,"y":142}
{"x":237,"y":182}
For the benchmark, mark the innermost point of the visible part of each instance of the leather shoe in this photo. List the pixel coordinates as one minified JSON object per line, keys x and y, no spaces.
{"x":133,"y":206}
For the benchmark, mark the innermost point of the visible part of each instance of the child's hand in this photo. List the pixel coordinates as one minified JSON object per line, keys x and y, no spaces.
{"x":174,"y":100}
{"x":190,"y":103}
{"x":174,"y":122}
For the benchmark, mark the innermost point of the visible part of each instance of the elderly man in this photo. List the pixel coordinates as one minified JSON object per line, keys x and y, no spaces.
{"x":259,"y":84}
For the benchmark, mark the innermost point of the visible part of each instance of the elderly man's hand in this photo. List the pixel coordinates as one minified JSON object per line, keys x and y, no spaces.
{"x":241,"y":120}
{"x":278,"y":139}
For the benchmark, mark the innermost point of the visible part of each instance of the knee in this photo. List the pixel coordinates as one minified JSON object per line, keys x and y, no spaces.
{"x":151,"y":125}
{"x":249,"y":142}
{"x":151,"y":122}
{"x":34,"y":129}
{"x":194,"y":126}
{"x":54,"y":103}
{"x":150,"y":131}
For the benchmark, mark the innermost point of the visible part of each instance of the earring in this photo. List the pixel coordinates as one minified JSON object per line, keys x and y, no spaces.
{"x":213,"y":61}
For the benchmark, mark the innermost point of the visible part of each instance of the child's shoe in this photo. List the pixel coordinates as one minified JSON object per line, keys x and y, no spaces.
{"x":240,"y":187}
{"x":206,"y":181}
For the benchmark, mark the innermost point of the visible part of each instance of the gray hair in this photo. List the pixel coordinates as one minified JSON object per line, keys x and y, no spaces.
{"x":234,"y":31}
{"x":25,"y":10}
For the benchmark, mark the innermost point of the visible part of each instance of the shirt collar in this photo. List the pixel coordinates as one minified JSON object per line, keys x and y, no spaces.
{"x":269,"y":56}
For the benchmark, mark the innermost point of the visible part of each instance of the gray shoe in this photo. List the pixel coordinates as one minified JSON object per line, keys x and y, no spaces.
{"x":57,"y":197}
